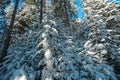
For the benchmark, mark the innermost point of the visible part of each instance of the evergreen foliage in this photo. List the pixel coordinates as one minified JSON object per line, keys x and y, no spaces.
{"x":88,"y":49}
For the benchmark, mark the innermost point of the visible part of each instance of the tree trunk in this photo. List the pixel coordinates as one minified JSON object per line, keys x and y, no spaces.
{"x":41,"y":11}
{"x":6,"y":41}
{"x":66,"y":14}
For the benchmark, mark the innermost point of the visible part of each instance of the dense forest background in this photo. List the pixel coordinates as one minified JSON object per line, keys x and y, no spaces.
{"x":47,"y":40}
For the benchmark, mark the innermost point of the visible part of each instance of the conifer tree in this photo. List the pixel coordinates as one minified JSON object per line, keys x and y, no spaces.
{"x":65,"y":10}
{"x":6,"y":42}
{"x":40,"y":5}
{"x":102,"y":19}
{"x":3,"y":4}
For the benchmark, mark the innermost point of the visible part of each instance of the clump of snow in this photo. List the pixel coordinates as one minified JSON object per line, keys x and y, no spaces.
{"x":48,"y":54}
{"x":19,"y":74}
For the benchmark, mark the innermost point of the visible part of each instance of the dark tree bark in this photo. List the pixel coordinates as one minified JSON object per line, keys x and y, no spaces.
{"x":6,"y":41}
{"x":41,"y":11}
{"x":66,"y":14}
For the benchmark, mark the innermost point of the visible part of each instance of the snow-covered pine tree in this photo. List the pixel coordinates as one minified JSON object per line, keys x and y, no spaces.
{"x":40,"y":4}
{"x":65,"y":10}
{"x":102,"y":25}
{"x":7,"y":34}
{"x":3,"y":4}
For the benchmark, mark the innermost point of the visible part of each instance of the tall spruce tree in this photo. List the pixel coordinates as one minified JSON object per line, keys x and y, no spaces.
{"x":65,"y":9}
{"x":7,"y":37}
{"x":40,"y":5}
{"x":102,"y":19}
{"x":3,"y":4}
